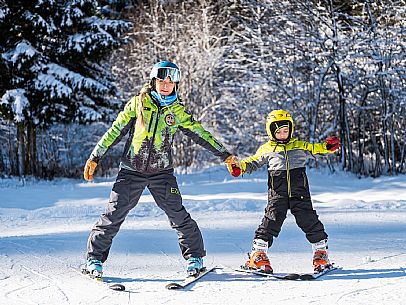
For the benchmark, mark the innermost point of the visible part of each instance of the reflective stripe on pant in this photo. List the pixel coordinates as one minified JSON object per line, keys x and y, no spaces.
{"x":125,"y":195}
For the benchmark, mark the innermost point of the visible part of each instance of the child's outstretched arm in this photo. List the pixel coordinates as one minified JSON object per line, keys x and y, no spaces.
{"x":329,"y":146}
{"x":254,"y":162}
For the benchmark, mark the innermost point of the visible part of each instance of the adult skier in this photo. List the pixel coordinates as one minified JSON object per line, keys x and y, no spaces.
{"x":152,"y":119}
{"x":288,"y":188}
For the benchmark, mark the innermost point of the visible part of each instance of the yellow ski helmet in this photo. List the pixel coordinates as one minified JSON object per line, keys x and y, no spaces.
{"x":276,"y":120}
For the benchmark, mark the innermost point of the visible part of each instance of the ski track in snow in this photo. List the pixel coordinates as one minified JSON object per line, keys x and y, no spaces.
{"x":44,"y":228}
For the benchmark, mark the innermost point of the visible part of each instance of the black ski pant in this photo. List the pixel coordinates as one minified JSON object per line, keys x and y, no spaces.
{"x":301,"y":208}
{"x":125,"y":195}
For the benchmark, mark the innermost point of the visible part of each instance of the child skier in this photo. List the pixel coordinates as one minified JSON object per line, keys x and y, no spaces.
{"x":288,"y":188}
{"x":152,"y":119}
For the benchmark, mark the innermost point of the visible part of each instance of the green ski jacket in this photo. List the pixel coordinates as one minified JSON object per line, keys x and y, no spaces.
{"x":150,"y":150}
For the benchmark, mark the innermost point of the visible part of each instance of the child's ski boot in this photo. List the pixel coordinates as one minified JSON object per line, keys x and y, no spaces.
{"x":94,"y":268}
{"x":194,"y":266}
{"x":258,"y":260}
{"x":320,"y":256}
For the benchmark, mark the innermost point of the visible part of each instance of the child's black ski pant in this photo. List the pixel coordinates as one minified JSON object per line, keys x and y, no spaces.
{"x":301,"y":208}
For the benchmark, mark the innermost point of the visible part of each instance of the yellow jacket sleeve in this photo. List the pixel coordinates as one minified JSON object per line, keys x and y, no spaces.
{"x":254,"y":162}
{"x":313,"y":148}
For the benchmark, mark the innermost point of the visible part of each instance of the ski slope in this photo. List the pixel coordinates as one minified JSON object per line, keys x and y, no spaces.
{"x":44,"y":228}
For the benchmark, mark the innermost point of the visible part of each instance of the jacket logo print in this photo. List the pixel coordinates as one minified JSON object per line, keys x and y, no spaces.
{"x":170,"y":120}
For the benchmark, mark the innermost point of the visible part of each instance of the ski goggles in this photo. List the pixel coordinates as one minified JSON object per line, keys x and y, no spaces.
{"x":163,"y":73}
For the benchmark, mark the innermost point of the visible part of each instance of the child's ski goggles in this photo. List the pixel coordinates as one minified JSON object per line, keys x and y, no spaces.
{"x":163,"y":73}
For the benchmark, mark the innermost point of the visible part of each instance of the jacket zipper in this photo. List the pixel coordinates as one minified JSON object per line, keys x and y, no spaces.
{"x":287,"y":171}
{"x":152,"y":140}
{"x":150,"y":121}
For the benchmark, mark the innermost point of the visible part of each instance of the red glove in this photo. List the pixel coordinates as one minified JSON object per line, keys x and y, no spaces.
{"x":332,"y":143}
{"x":233,"y":165}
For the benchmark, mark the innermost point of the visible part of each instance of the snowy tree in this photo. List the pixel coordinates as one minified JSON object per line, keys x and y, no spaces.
{"x":244,"y":74}
{"x":337,"y":66}
{"x":188,"y":33}
{"x":308,"y":57}
{"x":381,"y":60}
{"x":357,"y":48}
{"x":54,"y":56}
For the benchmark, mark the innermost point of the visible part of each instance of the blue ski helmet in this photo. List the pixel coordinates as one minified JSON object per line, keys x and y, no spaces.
{"x":163,"y":69}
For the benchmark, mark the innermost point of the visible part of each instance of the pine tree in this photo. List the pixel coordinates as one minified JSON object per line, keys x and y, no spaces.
{"x":53,"y":56}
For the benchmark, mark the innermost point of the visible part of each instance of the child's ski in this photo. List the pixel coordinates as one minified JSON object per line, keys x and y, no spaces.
{"x":99,"y":279}
{"x":190,"y":279}
{"x":290,"y":276}
{"x":313,"y":276}
{"x":281,"y":276}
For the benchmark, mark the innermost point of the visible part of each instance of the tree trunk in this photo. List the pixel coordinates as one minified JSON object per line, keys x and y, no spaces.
{"x":344,"y":132}
{"x":21,"y":150}
{"x":402,"y":155}
{"x":377,"y":168}
{"x":2,"y":164}
{"x":13,"y":161}
{"x":385,"y":137}
{"x":32,"y":150}
{"x":392,"y":146}
{"x":361,"y":134}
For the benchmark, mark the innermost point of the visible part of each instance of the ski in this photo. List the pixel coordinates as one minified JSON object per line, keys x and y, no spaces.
{"x":280,"y":276}
{"x":313,"y":276}
{"x":99,"y":279}
{"x":289,"y":276}
{"x":189,"y":279}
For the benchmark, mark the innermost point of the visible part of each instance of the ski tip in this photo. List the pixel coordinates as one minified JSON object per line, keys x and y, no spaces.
{"x":117,"y":287}
{"x":173,"y":286}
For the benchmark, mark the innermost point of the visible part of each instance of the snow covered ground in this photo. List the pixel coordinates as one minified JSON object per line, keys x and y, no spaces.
{"x":44,"y":227}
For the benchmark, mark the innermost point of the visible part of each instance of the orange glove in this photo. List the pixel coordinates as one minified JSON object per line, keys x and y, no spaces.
{"x":89,"y":170}
{"x":332,"y":143}
{"x":233,"y":165}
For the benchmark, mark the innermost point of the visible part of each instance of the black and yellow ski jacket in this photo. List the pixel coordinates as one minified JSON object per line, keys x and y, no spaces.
{"x":150,"y":150}
{"x":286,"y":166}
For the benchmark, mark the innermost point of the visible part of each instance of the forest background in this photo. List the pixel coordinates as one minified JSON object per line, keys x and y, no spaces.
{"x":68,"y":67}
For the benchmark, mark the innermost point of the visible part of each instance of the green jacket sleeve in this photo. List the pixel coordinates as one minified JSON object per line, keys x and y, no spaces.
{"x":201,"y":136}
{"x":117,"y":131}
{"x":254,"y":162}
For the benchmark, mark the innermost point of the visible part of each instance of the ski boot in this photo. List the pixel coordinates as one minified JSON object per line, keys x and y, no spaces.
{"x":320,"y":256}
{"x":194,"y":266}
{"x":257,"y":259}
{"x":94,"y":268}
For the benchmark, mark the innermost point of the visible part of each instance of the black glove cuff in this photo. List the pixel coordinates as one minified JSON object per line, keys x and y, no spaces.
{"x":331,"y":146}
{"x":94,"y":159}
